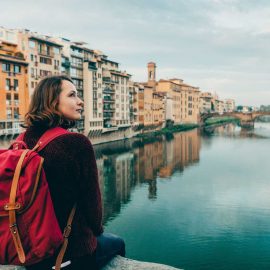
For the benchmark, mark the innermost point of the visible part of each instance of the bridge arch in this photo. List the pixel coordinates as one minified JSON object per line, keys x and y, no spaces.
{"x":246,"y":119}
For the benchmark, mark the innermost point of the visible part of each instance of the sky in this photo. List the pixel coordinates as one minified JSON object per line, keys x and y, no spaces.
{"x":221,"y":46}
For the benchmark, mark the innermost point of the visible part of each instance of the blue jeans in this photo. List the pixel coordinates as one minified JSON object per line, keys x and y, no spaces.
{"x":108,"y":246}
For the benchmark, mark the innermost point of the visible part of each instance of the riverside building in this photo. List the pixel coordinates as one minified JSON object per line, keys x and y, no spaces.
{"x":229,"y":105}
{"x":42,"y":54}
{"x":102,"y":86}
{"x":205,"y":102}
{"x":134,"y":90}
{"x":13,"y":84}
{"x":108,"y":106}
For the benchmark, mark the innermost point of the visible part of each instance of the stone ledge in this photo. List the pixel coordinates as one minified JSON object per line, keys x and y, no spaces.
{"x":118,"y":263}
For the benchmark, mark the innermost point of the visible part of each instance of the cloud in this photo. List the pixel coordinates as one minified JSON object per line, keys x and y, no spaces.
{"x":215,"y":44}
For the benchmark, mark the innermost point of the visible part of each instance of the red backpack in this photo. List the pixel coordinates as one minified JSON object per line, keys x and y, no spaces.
{"x":29,"y":230}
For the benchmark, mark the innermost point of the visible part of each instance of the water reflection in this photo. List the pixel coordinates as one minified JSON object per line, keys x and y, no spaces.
{"x":120,"y":173}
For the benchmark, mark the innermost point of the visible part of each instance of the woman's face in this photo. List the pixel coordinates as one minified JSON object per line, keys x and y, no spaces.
{"x":70,"y":105}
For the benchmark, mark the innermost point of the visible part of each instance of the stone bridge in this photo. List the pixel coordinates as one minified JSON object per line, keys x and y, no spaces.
{"x":246,"y":119}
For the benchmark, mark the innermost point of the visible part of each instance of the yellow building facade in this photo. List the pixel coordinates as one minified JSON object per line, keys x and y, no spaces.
{"x":182,"y":101}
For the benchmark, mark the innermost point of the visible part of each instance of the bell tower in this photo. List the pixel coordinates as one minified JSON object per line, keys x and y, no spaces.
{"x":151,"y":66}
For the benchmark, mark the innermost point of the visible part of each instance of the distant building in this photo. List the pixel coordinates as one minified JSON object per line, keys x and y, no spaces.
{"x":229,"y":105}
{"x":205,"y":102}
{"x":134,"y":90}
{"x":183,"y":98}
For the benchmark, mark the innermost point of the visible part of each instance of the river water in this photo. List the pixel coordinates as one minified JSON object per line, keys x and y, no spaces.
{"x":200,"y":200}
{"x":197,"y":200}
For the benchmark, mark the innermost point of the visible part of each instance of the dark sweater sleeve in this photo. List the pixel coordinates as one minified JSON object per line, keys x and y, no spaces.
{"x":89,"y":195}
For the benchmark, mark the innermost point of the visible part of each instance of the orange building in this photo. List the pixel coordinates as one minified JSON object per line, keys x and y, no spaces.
{"x":14,"y":96}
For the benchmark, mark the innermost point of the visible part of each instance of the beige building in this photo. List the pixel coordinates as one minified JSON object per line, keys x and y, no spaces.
{"x":183,"y":99}
{"x":190,"y":104}
{"x":229,"y":105}
{"x":220,"y":106}
{"x":102,"y":86}
{"x":205,"y":102}
{"x":134,"y":90}
{"x":107,"y":98}
{"x":158,"y":111}
{"x":148,"y":101}
{"x":141,"y":112}
{"x":172,"y":93}
{"x":42,"y":54}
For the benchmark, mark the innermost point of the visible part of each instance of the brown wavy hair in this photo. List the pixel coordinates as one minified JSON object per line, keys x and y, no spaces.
{"x":43,"y":110}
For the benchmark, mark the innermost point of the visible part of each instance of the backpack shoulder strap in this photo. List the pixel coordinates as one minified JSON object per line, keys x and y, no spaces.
{"x":20,"y":137}
{"x":49,"y":136}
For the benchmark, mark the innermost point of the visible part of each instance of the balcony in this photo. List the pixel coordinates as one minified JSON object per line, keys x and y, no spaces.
{"x":76,"y":65}
{"x":10,"y":127}
{"x":108,"y":90}
{"x":107,"y":115}
{"x":46,"y":53}
{"x":109,"y":128}
{"x":108,"y":109}
{"x":66,"y":64}
{"x":10,"y":131}
{"x":10,"y":73}
{"x":108,"y":100}
{"x":108,"y":80}
{"x":76,"y":53}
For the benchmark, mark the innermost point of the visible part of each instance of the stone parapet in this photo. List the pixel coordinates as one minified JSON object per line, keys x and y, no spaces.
{"x":118,"y":263}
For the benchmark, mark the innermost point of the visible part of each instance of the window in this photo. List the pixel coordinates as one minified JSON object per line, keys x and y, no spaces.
{"x":40,"y":48}
{"x":7,"y":84}
{"x":16,"y":84}
{"x":32,"y":44}
{"x":6,"y":67}
{"x":56,"y":50}
{"x":17,"y":69}
{"x":44,"y":73}
{"x":77,"y":62}
{"x":8,"y":99}
{"x":45,"y":60}
{"x":9,"y":113}
{"x":16,"y":113}
{"x":32,"y":57}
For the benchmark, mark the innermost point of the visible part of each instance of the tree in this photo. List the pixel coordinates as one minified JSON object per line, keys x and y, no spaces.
{"x":239,"y":108}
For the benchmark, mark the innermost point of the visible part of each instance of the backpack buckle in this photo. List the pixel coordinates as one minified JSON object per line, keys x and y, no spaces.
{"x":12,"y":206}
{"x":67,"y":231}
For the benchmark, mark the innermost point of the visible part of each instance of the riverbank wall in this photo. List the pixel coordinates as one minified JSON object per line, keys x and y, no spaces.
{"x":142,"y":133}
{"x":147,"y":133}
